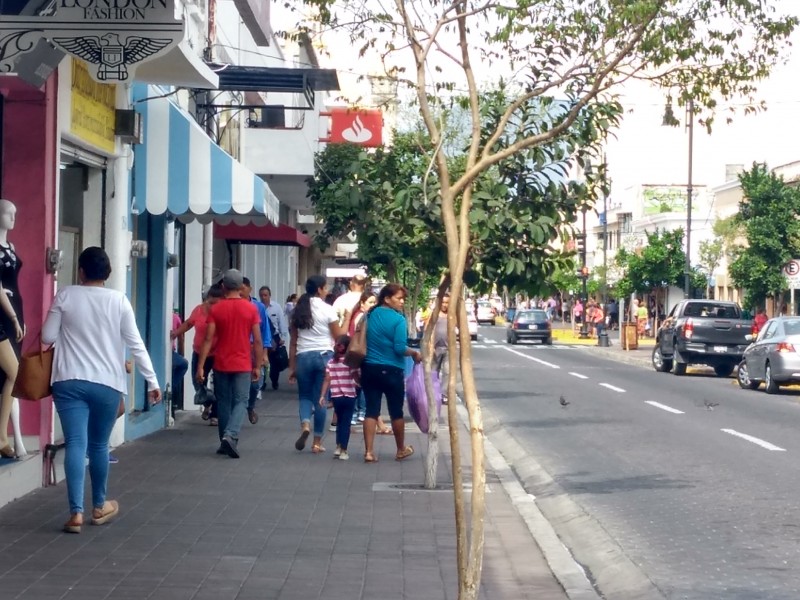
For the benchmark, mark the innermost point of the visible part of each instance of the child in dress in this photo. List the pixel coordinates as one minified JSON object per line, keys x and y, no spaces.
{"x":342,"y":382}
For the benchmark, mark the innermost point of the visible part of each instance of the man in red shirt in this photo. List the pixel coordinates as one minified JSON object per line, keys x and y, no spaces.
{"x":760,"y":319}
{"x":232,"y":321}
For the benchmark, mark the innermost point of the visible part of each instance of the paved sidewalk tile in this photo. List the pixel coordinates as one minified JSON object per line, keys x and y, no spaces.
{"x":275,"y":524}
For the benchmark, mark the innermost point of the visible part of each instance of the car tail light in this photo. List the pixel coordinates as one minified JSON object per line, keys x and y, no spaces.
{"x":688,"y":329}
{"x":784,"y":347}
{"x":514,"y":325}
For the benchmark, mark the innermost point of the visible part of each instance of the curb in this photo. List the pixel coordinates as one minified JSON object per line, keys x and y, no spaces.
{"x":566,"y":570}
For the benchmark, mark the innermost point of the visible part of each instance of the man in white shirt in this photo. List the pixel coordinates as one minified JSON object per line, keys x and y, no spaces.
{"x":280,"y":325}
{"x":349,"y":300}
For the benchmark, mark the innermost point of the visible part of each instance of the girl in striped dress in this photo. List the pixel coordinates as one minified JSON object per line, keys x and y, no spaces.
{"x":342,"y":381}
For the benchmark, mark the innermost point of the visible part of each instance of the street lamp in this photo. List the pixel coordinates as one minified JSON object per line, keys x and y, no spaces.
{"x":670,"y":121}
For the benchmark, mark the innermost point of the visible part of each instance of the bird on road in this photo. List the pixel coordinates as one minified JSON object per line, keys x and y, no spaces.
{"x":710,"y":405}
{"x":563,"y":401}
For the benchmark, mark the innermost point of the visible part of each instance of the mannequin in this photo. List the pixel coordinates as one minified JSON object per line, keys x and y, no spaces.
{"x":12,"y":330}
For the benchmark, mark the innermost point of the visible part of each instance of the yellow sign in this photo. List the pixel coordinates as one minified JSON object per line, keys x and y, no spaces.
{"x":93,"y":105}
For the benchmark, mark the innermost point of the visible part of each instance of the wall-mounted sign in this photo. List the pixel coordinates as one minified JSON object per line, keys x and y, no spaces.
{"x":363,"y":127}
{"x":112,"y":36}
{"x":92,"y":116}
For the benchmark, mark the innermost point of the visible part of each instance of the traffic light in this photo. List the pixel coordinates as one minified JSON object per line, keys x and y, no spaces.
{"x":580,"y":243}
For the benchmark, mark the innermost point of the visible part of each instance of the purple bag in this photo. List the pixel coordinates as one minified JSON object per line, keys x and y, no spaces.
{"x":418,"y":399}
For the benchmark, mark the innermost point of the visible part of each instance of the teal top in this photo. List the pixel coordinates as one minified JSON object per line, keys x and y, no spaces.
{"x":386,"y":337}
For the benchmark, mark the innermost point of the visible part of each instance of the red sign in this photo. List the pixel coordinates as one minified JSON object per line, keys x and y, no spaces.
{"x":363,"y":127}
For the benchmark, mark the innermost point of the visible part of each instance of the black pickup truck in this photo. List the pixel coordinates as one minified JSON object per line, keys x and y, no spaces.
{"x":702,"y":332}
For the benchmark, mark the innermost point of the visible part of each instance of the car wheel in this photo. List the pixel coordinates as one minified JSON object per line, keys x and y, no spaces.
{"x":770,"y":385}
{"x":548,"y":341}
{"x":494,"y":321}
{"x":512,"y":339}
{"x":743,"y":377}
{"x":678,"y":368}
{"x":474,"y":338}
{"x":723,"y":370}
{"x":661,"y":364}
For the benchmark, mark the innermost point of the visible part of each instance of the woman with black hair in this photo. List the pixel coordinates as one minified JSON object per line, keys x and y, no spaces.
{"x":313,"y":328}
{"x":90,"y":327}
{"x":383,"y":369}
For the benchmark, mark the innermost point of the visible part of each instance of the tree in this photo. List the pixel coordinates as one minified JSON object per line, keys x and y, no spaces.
{"x":579,"y":52}
{"x":768,"y":214}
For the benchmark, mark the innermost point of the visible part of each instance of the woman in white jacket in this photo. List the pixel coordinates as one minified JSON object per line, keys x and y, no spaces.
{"x":91,"y":326}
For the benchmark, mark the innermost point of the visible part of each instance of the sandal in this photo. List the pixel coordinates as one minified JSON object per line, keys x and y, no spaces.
{"x":213,"y":422}
{"x":370,"y":458}
{"x":301,"y":441}
{"x":74,"y":524}
{"x":317,"y":449}
{"x":404,"y":453}
{"x":103,"y":515}
{"x":385,"y":431}
{"x":206,"y":415}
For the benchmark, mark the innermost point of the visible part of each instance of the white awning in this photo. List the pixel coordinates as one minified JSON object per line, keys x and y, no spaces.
{"x":180,"y":67}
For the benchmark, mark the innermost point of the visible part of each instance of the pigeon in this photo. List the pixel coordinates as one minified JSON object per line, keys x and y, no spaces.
{"x":563,"y":401}
{"x":710,"y":405}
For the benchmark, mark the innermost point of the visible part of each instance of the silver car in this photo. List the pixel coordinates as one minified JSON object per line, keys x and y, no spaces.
{"x":773,"y":357}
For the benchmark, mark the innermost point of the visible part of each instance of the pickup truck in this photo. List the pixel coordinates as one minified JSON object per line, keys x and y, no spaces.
{"x":702,"y":332}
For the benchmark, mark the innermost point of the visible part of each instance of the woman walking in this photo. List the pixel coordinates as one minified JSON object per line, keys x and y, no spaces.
{"x":90,"y":327}
{"x":382,"y":372}
{"x":313,"y":328}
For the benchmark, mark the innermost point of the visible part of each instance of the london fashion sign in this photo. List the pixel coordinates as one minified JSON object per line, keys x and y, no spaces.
{"x":111,"y":36}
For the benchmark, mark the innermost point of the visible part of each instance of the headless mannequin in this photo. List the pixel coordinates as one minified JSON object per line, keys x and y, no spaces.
{"x":13,"y":330}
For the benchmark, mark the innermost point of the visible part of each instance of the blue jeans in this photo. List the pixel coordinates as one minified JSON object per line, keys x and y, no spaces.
{"x":361,"y":404}
{"x":179,"y":367}
{"x":255,"y":390}
{"x":343,"y":405}
{"x":88,"y":412}
{"x":232,"y":391}
{"x":310,"y":372}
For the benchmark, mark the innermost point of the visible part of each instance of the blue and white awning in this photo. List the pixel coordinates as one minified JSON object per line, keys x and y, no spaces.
{"x":180,"y":170}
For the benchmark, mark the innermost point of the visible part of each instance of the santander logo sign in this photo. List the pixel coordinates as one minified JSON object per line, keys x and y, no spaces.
{"x":363,"y":127}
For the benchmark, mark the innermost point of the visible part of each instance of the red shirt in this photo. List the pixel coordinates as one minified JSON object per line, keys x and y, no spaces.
{"x":760,"y":320}
{"x":199,"y":320}
{"x":234,"y":319}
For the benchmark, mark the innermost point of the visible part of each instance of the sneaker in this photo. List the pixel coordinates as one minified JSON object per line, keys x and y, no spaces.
{"x":361,"y":418}
{"x":337,"y":452}
{"x":332,"y":427}
{"x":353,"y":421}
{"x":112,"y":460}
{"x":344,"y":455}
{"x":229,"y":445}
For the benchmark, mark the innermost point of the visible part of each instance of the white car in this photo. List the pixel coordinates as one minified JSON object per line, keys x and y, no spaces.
{"x":486,"y":313}
{"x":472,"y":322}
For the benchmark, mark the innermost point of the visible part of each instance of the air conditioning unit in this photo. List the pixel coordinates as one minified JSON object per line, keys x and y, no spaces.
{"x":273,"y":116}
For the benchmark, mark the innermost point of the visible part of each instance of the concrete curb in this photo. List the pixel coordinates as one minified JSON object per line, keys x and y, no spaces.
{"x":564,"y":567}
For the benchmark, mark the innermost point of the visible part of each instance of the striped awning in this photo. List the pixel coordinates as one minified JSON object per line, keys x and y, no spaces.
{"x":179,"y":170}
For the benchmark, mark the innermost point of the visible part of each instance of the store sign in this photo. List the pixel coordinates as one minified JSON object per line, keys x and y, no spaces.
{"x":112,"y":36}
{"x":362,"y":127}
{"x":92,"y":113}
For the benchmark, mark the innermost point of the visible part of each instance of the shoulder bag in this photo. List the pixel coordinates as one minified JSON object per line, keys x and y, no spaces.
{"x":33,"y":375}
{"x":357,"y":350}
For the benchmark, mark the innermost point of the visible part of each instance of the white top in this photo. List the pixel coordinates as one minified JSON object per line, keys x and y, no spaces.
{"x":90,"y":327}
{"x":318,"y":338}
{"x":345,"y":302}
{"x":275,"y":312}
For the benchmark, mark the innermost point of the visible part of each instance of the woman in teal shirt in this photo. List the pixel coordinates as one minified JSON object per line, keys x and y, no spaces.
{"x":383,"y":369}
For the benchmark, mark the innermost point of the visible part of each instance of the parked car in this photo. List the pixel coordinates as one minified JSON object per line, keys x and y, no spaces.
{"x":530,"y":324}
{"x":485,"y":312}
{"x":773,"y":357}
{"x":704,"y":332}
{"x":472,"y":324}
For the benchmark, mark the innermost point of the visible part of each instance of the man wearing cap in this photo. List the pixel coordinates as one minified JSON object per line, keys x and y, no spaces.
{"x":266,"y":338}
{"x":234,"y":321}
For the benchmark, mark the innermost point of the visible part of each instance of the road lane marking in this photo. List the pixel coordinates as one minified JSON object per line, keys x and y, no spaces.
{"x":755,"y":440}
{"x":664,"y":407}
{"x":533,"y":358}
{"x":488,"y":341}
{"x":578,"y":375}
{"x":612,"y":387}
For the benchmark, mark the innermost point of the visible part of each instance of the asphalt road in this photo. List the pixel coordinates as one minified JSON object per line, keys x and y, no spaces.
{"x":705,"y":500}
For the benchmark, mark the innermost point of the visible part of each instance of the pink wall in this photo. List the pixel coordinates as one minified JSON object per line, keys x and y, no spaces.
{"x":30,"y":172}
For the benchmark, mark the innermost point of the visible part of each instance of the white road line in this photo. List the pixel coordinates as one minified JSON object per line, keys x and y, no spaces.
{"x":755,"y":440}
{"x":488,"y":341}
{"x":664,"y":407}
{"x":538,"y":360}
{"x":479,"y":346}
{"x":612,"y":387}
{"x":578,"y":375}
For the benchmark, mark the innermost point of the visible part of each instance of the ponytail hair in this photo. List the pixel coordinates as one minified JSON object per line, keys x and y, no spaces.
{"x":301,"y":315}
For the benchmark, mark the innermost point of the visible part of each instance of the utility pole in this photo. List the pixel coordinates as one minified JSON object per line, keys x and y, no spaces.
{"x":687,"y":285}
{"x":584,"y":277}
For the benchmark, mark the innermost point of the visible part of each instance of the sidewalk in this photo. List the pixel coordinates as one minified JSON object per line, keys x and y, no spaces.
{"x":275,"y":524}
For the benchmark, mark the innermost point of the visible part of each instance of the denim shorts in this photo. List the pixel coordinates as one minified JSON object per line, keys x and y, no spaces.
{"x":380,"y":380}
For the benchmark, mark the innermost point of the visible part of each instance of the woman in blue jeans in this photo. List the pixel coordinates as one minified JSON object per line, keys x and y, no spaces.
{"x":90,"y":327}
{"x":313,"y":328}
{"x":383,"y":369}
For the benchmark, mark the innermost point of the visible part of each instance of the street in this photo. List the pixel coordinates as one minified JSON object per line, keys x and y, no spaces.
{"x":692,"y":479}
